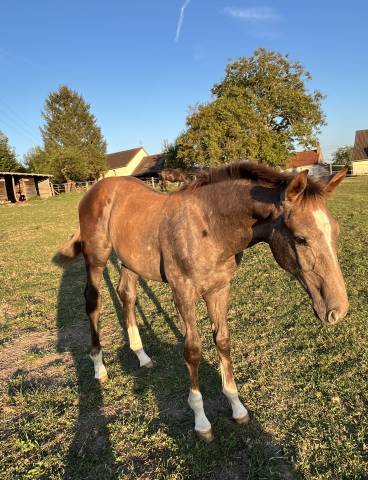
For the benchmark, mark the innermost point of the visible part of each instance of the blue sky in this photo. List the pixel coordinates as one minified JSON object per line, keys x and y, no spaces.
{"x":140,"y":64}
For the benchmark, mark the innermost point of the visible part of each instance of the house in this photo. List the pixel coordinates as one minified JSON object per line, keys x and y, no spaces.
{"x":150,"y":166}
{"x":311,"y":160}
{"x":17,"y":186}
{"x":136,"y":162}
{"x":360,"y":153}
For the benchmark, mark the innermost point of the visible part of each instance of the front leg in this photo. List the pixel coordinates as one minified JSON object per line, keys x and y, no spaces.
{"x":217,"y":302}
{"x":185,"y":299}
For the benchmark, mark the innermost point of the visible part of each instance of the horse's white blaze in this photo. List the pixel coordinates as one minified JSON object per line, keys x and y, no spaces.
{"x":323,"y":224}
{"x":100,"y":370}
{"x":135,"y":343}
{"x":195,"y":401}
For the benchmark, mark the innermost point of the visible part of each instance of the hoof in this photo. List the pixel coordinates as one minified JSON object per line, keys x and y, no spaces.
{"x":103,"y":378}
{"x":242,"y":420}
{"x":206,"y":436}
{"x":150,"y":364}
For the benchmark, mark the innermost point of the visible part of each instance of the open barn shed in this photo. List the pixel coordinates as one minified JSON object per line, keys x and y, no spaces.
{"x":18,"y":187}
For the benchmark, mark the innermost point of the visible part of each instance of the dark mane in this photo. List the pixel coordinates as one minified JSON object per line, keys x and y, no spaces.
{"x":255,"y":172}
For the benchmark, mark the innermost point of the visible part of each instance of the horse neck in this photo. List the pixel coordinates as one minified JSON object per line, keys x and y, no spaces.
{"x":239,"y":212}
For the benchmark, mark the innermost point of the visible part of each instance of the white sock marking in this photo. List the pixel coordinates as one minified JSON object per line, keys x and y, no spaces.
{"x":143,"y":358}
{"x":100,"y":370}
{"x":239,"y":411}
{"x":195,"y":402}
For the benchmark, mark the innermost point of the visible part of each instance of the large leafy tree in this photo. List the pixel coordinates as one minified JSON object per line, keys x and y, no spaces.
{"x":73,"y":143}
{"x":37,"y":161}
{"x":343,"y":155}
{"x":8,"y":160}
{"x":170,"y":153}
{"x":261,"y":111}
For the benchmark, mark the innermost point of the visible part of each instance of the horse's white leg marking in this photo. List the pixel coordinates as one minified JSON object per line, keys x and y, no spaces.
{"x":135,"y":343}
{"x":231,"y":393}
{"x":323,"y":224}
{"x":195,"y":402}
{"x":100,"y":370}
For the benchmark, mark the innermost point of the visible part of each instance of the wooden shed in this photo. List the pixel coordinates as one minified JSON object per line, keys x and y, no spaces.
{"x":18,"y":187}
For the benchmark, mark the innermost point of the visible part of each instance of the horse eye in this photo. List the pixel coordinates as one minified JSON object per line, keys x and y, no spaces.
{"x":301,"y":241}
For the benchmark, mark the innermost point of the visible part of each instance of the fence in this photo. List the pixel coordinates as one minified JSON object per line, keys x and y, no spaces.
{"x":71,"y":187}
{"x":84,"y":186}
{"x":68,"y":187}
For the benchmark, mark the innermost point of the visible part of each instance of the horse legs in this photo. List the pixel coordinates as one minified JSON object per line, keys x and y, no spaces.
{"x":127,"y":291}
{"x":96,"y":258}
{"x":185,"y":300}
{"x":217,"y":302}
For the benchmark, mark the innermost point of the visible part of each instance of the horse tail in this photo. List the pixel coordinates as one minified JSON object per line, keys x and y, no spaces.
{"x":69,"y":251}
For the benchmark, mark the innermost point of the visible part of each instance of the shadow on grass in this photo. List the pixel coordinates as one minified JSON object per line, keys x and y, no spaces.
{"x":238,"y":452}
{"x":90,"y":454}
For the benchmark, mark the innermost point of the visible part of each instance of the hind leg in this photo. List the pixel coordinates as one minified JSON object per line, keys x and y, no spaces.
{"x":127,"y":291}
{"x":96,"y":258}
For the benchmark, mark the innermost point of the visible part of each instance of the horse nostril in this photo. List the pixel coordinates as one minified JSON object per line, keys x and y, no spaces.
{"x":332,"y":317}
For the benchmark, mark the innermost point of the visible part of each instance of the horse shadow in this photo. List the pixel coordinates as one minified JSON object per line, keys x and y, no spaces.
{"x":91,"y":454}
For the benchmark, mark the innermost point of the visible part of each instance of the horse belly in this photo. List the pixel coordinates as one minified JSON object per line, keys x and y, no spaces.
{"x":135,"y":241}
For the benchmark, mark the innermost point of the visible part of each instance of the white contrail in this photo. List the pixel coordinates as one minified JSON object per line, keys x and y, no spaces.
{"x":181,"y":18}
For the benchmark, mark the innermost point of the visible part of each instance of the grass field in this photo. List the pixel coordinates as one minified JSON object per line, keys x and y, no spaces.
{"x":305,"y":385}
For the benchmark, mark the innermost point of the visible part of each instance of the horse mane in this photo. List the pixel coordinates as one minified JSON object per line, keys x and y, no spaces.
{"x":255,"y":172}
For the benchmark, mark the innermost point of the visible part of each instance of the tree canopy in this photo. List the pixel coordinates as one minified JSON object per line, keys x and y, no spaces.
{"x":261,"y":110}
{"x":343,"y":155}
{"x":74,"y":148}
{"x":37,"y":161}
{"x":170,"y":153}
{"x":8,"y":160}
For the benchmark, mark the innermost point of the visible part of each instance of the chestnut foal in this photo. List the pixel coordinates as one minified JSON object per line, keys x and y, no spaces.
{"x":193,"y":239}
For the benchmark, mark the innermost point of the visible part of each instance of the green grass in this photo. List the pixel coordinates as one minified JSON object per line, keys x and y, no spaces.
{"x":305,"y":385}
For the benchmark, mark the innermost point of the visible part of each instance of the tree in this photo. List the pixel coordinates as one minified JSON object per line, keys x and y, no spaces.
{"x":170,"y":153}
{"x":8,"y":160}
{"x":37,"y":161}
{"x":260,"y":111}
{"x":343,"y":155}
{"x":73,"y":142}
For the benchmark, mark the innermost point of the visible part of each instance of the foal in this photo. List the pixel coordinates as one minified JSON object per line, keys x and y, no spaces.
{"x":193,"y":239}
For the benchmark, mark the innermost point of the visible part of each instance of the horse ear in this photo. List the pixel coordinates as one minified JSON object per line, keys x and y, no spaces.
{"x":296,"y":186}
{"x":334,"y":180}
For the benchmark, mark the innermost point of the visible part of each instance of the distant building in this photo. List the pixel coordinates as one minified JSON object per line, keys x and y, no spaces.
{"x":311,"y":160}
{"x":360,"y":153}
{"x":135,"y":162}
{"x":18,"y":187}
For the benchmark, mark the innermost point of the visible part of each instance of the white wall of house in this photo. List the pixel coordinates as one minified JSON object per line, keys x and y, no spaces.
{"x":317,"y":170}
{"x":128,"y":169}
{"x":360,"y":167}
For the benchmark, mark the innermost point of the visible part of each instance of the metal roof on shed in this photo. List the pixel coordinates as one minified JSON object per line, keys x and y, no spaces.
{"x":24,"y":174}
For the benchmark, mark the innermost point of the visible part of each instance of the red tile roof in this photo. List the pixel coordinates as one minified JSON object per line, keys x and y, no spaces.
{"x":308,"y":157}
{"x":121,"y":159}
